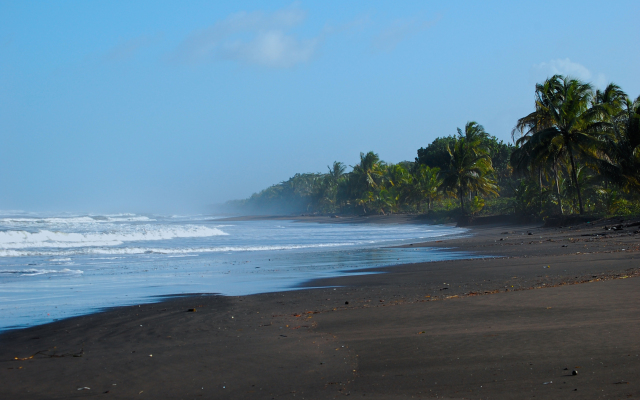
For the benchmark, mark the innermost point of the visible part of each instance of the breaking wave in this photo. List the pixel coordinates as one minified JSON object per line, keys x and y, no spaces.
{"x":35,"y":271}
{"x":74,"y":220}
{"x":45,"y":238}
{"x":146,"y":250}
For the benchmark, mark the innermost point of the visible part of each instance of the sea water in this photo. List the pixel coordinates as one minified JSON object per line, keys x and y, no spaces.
{"x":58,"y":266}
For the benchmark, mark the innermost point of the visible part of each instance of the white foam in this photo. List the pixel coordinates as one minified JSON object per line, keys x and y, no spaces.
{"x":150,"y":250}
{"x":46,"y":238}
{"x":35,"y":271}
{"x":128,"y":218}
{"x":95,"y":219}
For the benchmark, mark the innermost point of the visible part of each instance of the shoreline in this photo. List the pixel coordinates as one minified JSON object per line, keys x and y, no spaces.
{"x":236,"y":260}
{"x":262,"y":344}
{"x":341,"y":219}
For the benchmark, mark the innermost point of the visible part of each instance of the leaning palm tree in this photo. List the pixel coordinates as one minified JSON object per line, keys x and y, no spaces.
{"x":563,"y":118}
{"x":467,"y":171}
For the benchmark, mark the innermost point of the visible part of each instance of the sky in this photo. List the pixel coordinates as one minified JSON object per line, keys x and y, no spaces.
{"x":171,"y":106}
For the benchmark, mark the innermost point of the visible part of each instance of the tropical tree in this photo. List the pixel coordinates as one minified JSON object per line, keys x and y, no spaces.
{"x":435,"y":155}
{"x":621,"y":151}
{"x":475,"y":133}
{"x":469,"y":166}
{"x":565,"y":121}
{"x":535,"y":161}
{"x":398,"y":183}
{"x":366,"y":178}
{"x":336,"y":171}
{"x":426,"y":185}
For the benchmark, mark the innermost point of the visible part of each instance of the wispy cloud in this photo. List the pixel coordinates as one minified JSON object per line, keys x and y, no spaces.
{"x":566,"y":67}
{"x":253,"y":38}
{"x":400,"y":30}
{"x":129,"y":48}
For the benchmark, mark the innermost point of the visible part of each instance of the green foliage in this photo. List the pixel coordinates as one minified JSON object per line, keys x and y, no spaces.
{"x":577,"y":152}
{"x":426,"y":186}
{"x":622,"y":147}
{"x":580,"y":147}
{"x":476,"y":205}
{"x":469,"y":167}
{"x":435,"y":155}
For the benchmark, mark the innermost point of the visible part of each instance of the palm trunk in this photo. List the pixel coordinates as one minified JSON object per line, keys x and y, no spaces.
{"x":555,"y":172}
{"x":461,"y":201}
{"x":574,"y":175}
{"x":540,"y":182}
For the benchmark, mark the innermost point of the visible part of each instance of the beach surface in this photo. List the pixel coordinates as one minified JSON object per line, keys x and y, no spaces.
{"x":552,"y":301}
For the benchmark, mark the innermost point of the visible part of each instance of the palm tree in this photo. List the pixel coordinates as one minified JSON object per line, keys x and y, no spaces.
{"x":368,"y":170}
{"x":621,"y":161}
{"x":329,"y":190}
{"x":336,"y":170}
{"x":366,"y":178}
{"x":426,"y":185}
{"x":564,"y":118}
{"x":534,"y":159}
{"x":469,"y":168}
{"x":475,"y":133}
{"x":399,"y":182}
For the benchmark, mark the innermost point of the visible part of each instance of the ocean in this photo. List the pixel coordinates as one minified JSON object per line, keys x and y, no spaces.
{"x":64,"y":265}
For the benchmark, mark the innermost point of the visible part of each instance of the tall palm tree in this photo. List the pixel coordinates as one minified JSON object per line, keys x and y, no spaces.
{"x":536,"y":159}
{"x":563,"y":118}
{"x":468,"y":170}
{"x":475,"y":133}
{"x":336,"y":170}
{"x":368,"y":170}
{"x":621,"y":161}
{"x":608,"y":103}
{"x":366,"y":178}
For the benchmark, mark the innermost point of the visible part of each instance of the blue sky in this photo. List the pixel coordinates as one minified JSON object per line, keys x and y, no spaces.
{"x":166,"y":106}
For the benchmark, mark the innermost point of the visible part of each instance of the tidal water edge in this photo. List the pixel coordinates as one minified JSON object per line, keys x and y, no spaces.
{"x":59,"y":266}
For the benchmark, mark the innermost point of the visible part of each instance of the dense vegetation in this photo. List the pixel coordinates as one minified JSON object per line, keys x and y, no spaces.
{"x":578,"y":152}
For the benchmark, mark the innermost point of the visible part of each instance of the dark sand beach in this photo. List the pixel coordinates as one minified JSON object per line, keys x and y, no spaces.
{"x":553,"y":301}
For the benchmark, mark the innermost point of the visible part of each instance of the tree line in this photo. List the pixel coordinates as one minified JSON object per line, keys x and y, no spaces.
{"x":578,"y":152}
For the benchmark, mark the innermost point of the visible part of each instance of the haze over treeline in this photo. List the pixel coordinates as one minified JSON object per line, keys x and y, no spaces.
{"x":173,"y":106}
{"x":577,"y":152}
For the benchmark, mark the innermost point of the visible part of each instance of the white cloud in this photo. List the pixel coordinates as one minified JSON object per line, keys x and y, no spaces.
{"x":566,"y":67}
{"x":254,"y":38}
{"x":399,"y":30}
{"x":270,"y":48}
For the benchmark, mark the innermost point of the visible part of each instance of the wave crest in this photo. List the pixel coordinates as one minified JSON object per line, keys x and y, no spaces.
{"x":35,"y":271}
{"x":46,"y":238}
{"x":148,"y":250}
{"x":74,"y":220}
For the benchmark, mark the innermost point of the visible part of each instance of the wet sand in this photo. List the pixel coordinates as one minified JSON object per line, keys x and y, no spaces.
{"x":514,"y":327}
